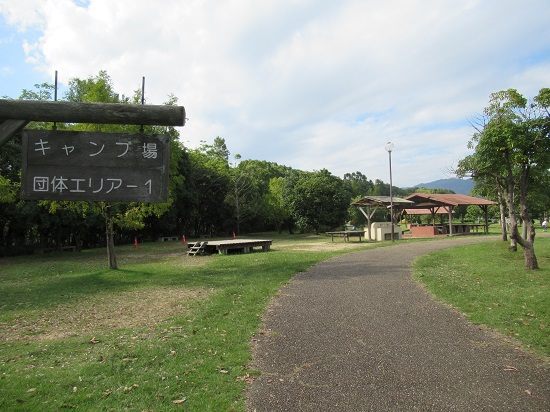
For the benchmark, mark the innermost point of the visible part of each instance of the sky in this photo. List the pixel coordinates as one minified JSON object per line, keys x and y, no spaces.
{"x":310,"y":84}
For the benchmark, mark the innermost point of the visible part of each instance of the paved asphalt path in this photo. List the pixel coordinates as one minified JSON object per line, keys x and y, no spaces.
{"x":355,"y":333}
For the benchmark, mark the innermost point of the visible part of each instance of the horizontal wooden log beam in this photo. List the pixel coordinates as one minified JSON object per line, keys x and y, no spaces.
{"x":101,"y":113}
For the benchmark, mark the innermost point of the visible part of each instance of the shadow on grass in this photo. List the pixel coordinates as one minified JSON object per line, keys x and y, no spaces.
{"x":47,"y":292}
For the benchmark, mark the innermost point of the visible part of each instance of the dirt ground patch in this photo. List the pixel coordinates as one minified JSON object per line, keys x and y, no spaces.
{"x":318,"y":246}
{"x":135,"y":309}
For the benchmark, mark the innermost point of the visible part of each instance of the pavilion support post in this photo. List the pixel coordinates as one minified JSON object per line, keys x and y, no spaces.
{"x":369,"y":223}
{"x":485,"y":209}
{"x":368,"y":215}
{"x":450,"y":211}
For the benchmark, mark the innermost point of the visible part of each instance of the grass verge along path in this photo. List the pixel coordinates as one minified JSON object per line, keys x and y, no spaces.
{"x":489,"y":284}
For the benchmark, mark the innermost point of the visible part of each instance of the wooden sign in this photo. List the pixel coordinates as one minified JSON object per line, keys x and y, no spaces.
{"x":111,"y":167}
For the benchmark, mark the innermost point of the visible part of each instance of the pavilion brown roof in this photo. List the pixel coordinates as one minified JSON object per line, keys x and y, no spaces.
{"x":423,"y":200}
{"x":381,"y":201}
{"x":439,"y":211}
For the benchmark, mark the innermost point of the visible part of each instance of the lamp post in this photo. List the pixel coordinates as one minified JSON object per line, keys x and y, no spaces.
{"x":389,"y":148}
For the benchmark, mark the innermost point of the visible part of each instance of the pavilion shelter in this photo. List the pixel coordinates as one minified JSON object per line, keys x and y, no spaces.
{"x":437,"y":203}
{"x":372,"y":203}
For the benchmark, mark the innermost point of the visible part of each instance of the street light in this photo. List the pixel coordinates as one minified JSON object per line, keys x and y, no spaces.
{"x":389,"y":148}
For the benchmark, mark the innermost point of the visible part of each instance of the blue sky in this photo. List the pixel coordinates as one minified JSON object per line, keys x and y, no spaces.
{"x":309,"y":84}
{"x":14,"y":71}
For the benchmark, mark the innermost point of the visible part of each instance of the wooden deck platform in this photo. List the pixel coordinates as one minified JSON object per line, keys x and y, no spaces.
{"x":239,"y":245}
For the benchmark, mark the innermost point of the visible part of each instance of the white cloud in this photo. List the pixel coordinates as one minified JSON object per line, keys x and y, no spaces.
{"x":307,"y":83}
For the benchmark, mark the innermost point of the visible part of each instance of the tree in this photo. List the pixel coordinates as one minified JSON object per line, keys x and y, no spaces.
{"x":319,"y":200}
{"x":512,"y":148}
{"x":206,"y":187}
{"x":254,"y":200}
{"x":276,"y":204}
{"x":358,"y":184}
{"x":239,"y":197}
{"x":128,"y":216}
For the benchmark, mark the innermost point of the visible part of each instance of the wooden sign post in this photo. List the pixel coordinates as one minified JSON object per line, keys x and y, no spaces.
{"x":91,"y":166}
{"x":111,"y":167}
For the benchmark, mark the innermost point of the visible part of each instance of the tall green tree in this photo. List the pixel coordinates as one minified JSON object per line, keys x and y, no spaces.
{"x":207,"y":185}
{"x":512,"y":148}
{"x":276,"y":204}
{"x":240,"y":197}
{"x":258,"y":174}
{"x":319,"y":200}
{"x":358,"y":184}
{"x":129,"y":216}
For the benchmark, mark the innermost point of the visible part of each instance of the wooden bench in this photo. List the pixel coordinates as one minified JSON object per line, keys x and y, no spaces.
{"x":167,"y":238}
{"x":43,"y":250}
{"x":51,"y":249}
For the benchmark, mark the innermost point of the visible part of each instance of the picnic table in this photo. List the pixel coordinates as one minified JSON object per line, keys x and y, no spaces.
{"x":346,"y":234}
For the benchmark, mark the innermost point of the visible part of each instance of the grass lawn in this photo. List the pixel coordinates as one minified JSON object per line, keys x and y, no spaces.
{"x":490,"y":286}
{"x":164,"y":332}
{"x":172,"y":332}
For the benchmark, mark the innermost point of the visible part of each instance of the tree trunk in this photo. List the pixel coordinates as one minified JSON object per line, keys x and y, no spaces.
{"x":502,"y":206}
{"x":110,"y":233}
{"x":530,"y":258}
{"x":527,"y":241}
{"x":514,"y":234}
{"x":528,"y":246}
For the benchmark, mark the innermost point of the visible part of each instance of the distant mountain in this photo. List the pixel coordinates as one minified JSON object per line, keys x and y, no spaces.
{"x":459,"y":186}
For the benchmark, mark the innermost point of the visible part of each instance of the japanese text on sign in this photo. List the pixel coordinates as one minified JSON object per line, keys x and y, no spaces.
{"x":95,"y":166}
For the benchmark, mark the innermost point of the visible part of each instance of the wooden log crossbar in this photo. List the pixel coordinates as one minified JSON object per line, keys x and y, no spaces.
{"x":101,"y":113}
{"x":15,"y":114}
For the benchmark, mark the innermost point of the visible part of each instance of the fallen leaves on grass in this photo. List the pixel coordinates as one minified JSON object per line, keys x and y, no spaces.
{"x":245,"y":378}
{"x":127,"y":389}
